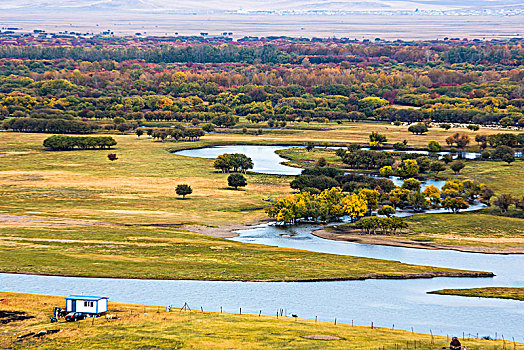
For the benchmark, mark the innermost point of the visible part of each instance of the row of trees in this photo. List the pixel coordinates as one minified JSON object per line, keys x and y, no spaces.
{"x":178,"y":133}
{"x":381,"y":225}
{"x":58,"y":126}
{"x":66,"y":143}
{"x":328,"y":205}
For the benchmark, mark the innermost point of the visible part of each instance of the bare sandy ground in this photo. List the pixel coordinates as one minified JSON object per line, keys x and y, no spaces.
{"x":408,"y":27}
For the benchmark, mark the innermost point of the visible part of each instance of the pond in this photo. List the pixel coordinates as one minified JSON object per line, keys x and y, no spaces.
{"x":265,"y":160}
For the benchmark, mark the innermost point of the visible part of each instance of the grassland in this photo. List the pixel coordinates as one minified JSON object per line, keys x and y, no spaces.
{"x":150,"y":327}
{"x":487,"y":292}
{"x":167,"y":253}
{"x":321,"y":133}
{"x":469,"y":232}
{"x":77,"y":213}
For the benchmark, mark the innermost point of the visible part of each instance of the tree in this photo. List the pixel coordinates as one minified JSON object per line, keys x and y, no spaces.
{"x":486,"y":193}
{"x":376,"y":137}
{"x":503,"y":201}
{"x":437,"y":167}
{"x":434,"y":146}
{"x":445,"y":126}
{"x":473,"y":127}
{"x":139,"y":132}
{"x":184,"y":190}
{"x":322,"y":162}
{"x":433,"y":193}
{"x":447,"y":158}
{"x":112,"y":156}
{"x":411,"y":185}
{"x":455,"y":204}
{"x":208,"y":127}
{"x":457,"y":166}
{"x":371,"y":198}
{"x":482,"y":141}
{"x":504,"y":153}
{"x":310,"y":146}
{"x":461,"y":140}
{"x":418,"y":129}
{"x":386,"y":210}
{"x":408,"y":167}
{"x":236,"y":181}
{"x":386,"y":171}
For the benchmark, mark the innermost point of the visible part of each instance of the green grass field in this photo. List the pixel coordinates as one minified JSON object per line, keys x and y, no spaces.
{"x":488,"y":292}
{"x":149,"y":327}
{"x":467,"y":229}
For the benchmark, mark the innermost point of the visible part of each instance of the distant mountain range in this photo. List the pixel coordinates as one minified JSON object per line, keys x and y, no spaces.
{"x":188,"y":6}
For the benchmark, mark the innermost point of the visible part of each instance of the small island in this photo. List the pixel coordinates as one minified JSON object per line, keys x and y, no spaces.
{"x":487,"y":292}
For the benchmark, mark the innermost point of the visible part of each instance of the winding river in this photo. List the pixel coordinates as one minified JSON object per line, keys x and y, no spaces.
{"x":402,"y":303}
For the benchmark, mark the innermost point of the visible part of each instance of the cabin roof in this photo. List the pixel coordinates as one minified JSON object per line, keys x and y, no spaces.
{"x":85,"y":297}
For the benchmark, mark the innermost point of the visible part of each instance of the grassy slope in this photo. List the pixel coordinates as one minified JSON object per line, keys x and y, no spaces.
{"x":76,"y":213}
{"x":141,"y":327}
{"x":488,"y":292}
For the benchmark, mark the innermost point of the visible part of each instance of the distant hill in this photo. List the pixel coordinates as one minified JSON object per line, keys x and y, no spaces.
{"x":252,"y":5}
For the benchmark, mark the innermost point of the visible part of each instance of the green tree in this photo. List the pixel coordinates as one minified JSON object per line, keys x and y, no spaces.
{"x":184,"y":190}
{"x":411,"y":185}
{"x":504,"y":153}
{"x":386,"y":210}
{"x":504,"y":201}
{"x":437,"y":167}
{"x":418,"y":129}
{"x":434,"y":146}
{"x":236,"y":181}
{"x":457,"y":166}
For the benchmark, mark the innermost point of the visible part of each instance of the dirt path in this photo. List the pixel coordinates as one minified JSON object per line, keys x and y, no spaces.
{"x":222,"y":231}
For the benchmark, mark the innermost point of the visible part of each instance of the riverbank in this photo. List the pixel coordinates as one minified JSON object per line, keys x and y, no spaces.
{"x":351,"y":235}
{"x":487,"y":292}
{"x":141,"y":326}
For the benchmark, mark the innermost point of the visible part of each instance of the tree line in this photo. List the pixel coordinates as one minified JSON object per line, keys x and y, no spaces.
{"x":66,"y":143}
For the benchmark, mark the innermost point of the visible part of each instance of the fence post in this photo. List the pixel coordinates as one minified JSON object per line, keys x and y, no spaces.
{"x":335,"y":320}
{"x":241,"y":311}
{"x":371,"y":324}
{"x":259,"y":313}
{"x":316,"y":319}
{"x":221,"y":309}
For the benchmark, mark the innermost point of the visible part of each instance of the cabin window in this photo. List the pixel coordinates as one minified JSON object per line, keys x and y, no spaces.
{"x":88,"y":304}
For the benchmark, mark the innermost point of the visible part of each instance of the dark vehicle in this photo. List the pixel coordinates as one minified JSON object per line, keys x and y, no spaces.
{"x":74,"y":316}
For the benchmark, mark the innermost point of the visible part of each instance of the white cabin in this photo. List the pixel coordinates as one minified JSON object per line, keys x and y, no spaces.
{"x":86,"y":304}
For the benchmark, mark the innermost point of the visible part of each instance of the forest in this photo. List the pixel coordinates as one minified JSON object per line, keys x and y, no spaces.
{"x":71,"y":85}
